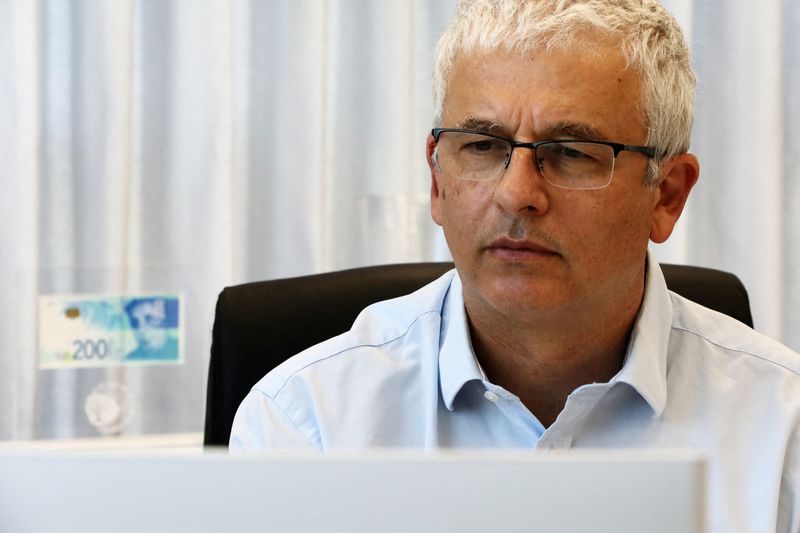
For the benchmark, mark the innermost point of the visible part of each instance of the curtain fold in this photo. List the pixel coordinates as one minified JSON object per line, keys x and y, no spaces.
{"x":737,"y":211}
{"x":19,"y":152}
{"x":181,"y":146}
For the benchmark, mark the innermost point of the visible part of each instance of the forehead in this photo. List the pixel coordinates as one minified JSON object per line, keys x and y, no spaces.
{"x":530,"y":94}
{"x":144,"y":309}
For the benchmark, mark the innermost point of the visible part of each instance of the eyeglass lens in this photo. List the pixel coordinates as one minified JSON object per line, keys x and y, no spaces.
{"x":567,"y":164}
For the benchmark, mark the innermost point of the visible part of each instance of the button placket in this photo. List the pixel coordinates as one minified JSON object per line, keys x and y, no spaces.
{"x":560,"y":434}
{"x":513,"y":409}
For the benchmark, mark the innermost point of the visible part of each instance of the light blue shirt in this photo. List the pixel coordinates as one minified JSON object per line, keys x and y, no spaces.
{"x":405,"y":375}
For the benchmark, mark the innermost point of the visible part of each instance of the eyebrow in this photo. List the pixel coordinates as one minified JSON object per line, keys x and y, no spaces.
{"x":574,"y":130}
{"x":559,"y":130}
{"x":479,"y":124}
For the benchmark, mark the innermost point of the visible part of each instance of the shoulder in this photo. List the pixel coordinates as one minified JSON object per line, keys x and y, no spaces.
{"x":376,"y":337}
{"x":703,"y":328}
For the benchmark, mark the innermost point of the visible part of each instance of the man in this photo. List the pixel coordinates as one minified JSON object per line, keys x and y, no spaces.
{"x":560,"y":150}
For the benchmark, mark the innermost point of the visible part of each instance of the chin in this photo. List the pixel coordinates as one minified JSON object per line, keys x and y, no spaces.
{"x":515,"y":295}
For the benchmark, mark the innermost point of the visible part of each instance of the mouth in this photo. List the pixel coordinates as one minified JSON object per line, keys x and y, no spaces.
{"x":520,"y":250}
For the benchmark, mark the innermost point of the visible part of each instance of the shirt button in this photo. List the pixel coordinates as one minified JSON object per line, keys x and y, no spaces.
{"x":492,"y":397}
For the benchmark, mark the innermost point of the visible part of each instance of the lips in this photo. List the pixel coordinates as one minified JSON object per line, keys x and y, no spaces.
{"x":518,"y":249}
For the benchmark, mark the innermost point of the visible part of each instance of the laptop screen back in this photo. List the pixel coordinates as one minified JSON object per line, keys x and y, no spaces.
{"x":601,"y":492}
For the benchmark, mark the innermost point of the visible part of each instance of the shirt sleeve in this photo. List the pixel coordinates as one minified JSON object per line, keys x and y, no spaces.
{"x":261,"y":424}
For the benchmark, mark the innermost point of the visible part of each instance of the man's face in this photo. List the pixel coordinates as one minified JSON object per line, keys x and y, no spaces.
{"x":146,"y":321}
{"x":523,"y":246}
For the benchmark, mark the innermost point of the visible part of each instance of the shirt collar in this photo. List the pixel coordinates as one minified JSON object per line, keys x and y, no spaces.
{"x":457,"y":362}
{"x":645,"y":365}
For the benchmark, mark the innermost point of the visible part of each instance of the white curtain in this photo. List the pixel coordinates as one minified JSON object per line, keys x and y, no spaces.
{"x":185,"y":145}
{"x":744,"y":214}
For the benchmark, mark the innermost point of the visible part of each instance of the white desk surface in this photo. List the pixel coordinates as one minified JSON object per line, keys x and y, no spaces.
{"x":178,"y":443}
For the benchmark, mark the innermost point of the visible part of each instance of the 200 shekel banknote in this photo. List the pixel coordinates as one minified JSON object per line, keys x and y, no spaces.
{"x":104,"y":330}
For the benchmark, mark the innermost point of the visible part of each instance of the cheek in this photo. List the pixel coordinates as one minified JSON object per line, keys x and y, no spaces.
{"x":464,"y":208}
{"x":462,"y":196}
{"x":630,"y":230}
{"x":606,"y":230}
{"x":465,"y":205}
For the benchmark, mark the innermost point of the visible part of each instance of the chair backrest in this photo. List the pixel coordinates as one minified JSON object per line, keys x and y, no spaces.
{"x":259,"y":325}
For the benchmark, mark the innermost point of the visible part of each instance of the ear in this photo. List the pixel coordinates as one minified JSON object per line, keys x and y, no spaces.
{"x":678,"y":176}
{"x":436,"y":211}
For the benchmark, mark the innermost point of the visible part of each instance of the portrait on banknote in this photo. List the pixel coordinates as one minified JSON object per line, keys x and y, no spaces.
{"x":109,"y":330}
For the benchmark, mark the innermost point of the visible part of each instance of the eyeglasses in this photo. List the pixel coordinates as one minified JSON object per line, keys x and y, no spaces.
{"x":585,"y":165}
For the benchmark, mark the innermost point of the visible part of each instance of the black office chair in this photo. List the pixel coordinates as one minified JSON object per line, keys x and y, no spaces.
{"x":259,"y":325}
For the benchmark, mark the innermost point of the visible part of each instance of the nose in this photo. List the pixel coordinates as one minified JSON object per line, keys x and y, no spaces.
{"x":522,"y":187}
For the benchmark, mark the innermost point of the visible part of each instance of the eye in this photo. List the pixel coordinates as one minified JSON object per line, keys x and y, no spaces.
{"x":570,"y":151}
{"x":577,"y":153}
{"x":484,"y":147}
{"x":480,"y":146}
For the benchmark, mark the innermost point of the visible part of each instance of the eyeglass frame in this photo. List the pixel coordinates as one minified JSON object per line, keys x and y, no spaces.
{"x":648,"y":151}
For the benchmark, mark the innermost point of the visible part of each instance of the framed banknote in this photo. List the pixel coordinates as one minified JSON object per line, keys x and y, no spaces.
{"x":76,"y":331}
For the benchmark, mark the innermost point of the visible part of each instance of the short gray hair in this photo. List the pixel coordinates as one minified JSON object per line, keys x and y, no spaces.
{"x":651,"y":42}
